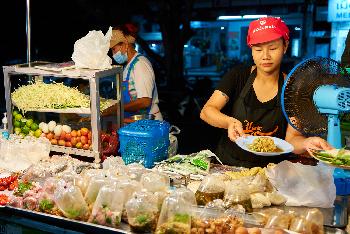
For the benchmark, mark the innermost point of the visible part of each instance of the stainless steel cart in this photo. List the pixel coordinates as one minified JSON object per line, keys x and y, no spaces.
{"x":93,"y":77}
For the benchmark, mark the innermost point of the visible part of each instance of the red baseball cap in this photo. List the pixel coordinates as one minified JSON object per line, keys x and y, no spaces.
{"x":266,"y":29}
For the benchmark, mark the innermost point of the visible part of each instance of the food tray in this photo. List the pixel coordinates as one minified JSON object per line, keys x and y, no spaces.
{"x":74,"y":225}
{"x":315,"y":156}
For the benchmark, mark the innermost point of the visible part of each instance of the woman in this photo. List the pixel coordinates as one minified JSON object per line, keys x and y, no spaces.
{"x":247,"y":100}
{"x":139,"y":87}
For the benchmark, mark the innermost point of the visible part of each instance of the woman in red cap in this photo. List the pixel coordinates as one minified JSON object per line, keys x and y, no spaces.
{"x":247,"y":100}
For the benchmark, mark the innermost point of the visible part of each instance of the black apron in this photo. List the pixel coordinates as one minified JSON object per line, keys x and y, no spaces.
{"x":258,"y":119}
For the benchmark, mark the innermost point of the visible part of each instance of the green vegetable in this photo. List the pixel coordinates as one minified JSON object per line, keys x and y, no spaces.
{"x":142,"y":219}
{"x":73,"y":213}
{"x":341,"y":159}
{"x":182,"y":218}
{"x":22,"y":188}
{"x":46,"y":205}
{"x":109,"y":220}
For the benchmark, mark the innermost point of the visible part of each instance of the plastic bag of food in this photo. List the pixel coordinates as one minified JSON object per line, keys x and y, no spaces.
{"x":301,"y":225}
{"x":108,"y":207}
{"x":315,"y":217}
{"x":279,"y":221}
{"x":129,"y":187}
{"x":94,"y":187}
{"x":299,"y":183}
{"x":70,"y":201}
{"x":135,"y":171}
{"x":175,"y":216}
{"x":47,"y":204}
{"x":155,"y":182}
{"x":211,"y":220}
{"x":276,"y":198}
{"x":185,"y":194}
{"x":257,"y":184}
{"x":237,"y":195}
{"x":91,"y":50}
{"x":259,"y":200}
{"x":113,"y":163}
{"x":87,"y":175}
{"x":142,"y":212}
{"x":211,"y":188}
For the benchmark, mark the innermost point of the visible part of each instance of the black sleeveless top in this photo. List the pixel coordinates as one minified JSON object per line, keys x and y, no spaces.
{"x":258,"y":119}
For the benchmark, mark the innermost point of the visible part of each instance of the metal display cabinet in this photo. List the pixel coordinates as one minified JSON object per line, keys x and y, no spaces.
{"x":93,"y":77}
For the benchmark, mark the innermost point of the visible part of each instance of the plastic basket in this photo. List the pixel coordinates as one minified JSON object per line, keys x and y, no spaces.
{"x":144,"y":141}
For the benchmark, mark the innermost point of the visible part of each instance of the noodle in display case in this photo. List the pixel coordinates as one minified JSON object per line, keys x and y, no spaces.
{"x":65,"y":98}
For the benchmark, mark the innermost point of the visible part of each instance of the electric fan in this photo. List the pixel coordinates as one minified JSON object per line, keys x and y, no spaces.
{"x":314,"y":95}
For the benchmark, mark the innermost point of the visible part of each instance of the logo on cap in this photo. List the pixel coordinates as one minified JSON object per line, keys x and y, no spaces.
{"x":262,"y":22}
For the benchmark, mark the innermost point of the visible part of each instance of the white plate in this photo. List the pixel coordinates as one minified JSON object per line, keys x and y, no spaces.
{"x":243,"y":142}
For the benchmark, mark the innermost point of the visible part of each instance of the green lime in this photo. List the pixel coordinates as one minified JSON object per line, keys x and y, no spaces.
{"x":22,"y":135}
{"x":34,"y":126}
{"x":23,"y":122}
{"x":17,"y":124}
{"x":18,"y":130}
{"x":25,"y":129}
{"x":29,"y":122}
{"x":38,"y":133}
{"x":31,"y":133}
{"x":14,"y":113}
{"x":18,"y":117}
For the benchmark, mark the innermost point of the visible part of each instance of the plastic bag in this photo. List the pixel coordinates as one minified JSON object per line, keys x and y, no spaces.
{"x":91,"y":50}
{"x":237,"y":195}
{"x":96,"y":183}
{"x":175,"y":216}
{"x":303,"y":185}
{"x":155,"y":182}
{"x":211,"y":188}
{"x":71,"y":202}
{"x":108,"y":207}
{"x":173,"y":140}
{"x":142,"y":212}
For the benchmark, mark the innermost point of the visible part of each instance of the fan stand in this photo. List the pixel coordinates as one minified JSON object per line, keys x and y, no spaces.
{"x":334,"y":135}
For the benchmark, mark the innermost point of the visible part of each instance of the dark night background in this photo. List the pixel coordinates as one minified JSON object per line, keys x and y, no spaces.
{"x":56,"y":25}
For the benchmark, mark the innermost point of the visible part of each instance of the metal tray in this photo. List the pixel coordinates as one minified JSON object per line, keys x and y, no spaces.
{"x":61,"y":222}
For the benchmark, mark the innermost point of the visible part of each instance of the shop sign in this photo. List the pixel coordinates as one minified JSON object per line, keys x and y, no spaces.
{"x":338,"y":10}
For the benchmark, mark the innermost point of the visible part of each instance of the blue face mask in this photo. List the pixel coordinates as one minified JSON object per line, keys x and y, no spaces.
{"x":120,"y":58}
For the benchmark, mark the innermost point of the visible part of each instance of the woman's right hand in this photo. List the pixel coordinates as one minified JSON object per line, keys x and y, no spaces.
{"x":235,"y":129}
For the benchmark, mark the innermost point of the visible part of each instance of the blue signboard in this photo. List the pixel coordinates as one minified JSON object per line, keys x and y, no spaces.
{"x":338,"y":10}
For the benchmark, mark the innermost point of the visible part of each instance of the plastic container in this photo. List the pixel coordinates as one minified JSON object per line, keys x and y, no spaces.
{"x":175,"y":216}
{"x":71,"y":202}
{"x":108,"y":207}
{"x":142,"y":212}
{"x":211,"y":188}
{"x":144,"y":141}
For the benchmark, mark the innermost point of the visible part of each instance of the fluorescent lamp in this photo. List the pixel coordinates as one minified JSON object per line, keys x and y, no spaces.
{"x":229,"y":17}
{"x":253,"y":16}
{"x":297,"y":28}
{"x":222,"y":28}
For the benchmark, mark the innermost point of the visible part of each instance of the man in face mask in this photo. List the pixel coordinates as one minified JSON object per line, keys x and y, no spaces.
{"x":139,"y":88}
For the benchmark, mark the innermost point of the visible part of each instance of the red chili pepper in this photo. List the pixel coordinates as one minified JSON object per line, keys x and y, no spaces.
{"x":4,"y":199}
{"x":2,"y":188}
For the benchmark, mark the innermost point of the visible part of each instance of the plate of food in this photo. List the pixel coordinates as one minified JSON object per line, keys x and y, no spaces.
{"x":336,"y":157}
{"x":264,"y":145}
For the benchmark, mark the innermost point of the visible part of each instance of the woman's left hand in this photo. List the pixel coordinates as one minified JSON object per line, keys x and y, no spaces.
{"x":316,"y":143}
